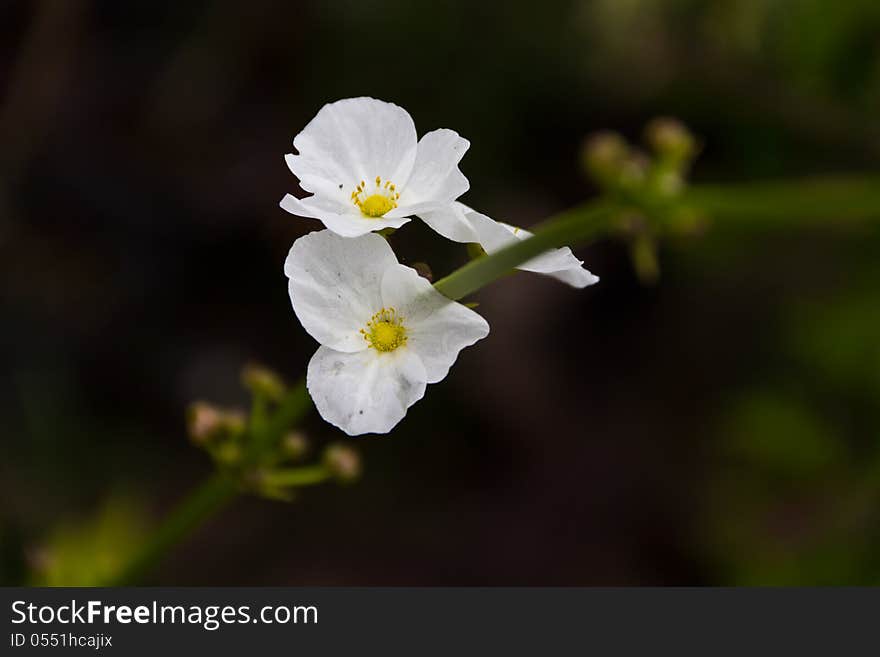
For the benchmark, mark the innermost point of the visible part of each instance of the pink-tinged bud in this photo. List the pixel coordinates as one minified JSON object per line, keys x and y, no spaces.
{"x":295,"y":445}
{"x":204,"y":422}
{"x":343,"y":462}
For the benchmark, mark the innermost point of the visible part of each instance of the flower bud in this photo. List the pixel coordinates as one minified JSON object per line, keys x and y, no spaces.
{"x":603,"y":156}
{"x":634,"y":171}
{"x":295,"y":445}
{"x":669,"y":183}
{"x":343,"y":463}
{"x":204,"y":422}
{"x":670,"y":139}
{"x":228,"y":453}
{"x":233,"y":423}
{"x":263,"y":381}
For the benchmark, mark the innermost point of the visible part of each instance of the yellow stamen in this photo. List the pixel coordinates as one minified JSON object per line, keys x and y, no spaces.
{"x":385,"y":331}
{"x":379,"y":202}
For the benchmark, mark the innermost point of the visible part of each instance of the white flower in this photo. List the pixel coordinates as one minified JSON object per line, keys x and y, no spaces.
{"x":385,"y":332}
{"x":493,"y":236}
{"x":366,"y":171}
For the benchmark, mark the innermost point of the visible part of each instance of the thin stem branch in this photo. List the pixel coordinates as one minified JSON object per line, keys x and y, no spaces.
{"x":290,"y":411}
{"x":793,"y":203}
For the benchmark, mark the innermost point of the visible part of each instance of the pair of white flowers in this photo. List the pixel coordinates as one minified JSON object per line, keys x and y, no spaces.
{"x":384,"y":331}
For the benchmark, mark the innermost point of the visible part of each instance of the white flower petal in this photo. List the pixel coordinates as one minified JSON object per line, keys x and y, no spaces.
{"x":321,"y":177}
{"x":493,"y":236}
{"x":436,"y":328}
{"x":575,"y":275}
{"x":335,"y":285}
{"x":561,"y":264}
{"x":352,"y":140}
{"x":367,"y":391}
{"x":435,"y":175}
{"x":338,"y":219}
{"x":450,"y":222}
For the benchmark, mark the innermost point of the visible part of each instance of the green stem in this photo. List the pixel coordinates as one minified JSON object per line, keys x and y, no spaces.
{"x":202,"y":503}
{"x":795,"y":203}
{"x":568,"y":228}
{"x":290,"y":411}
{"x":268,"y":429}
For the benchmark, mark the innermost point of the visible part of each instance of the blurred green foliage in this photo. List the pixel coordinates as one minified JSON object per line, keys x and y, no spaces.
{"x":795,"y":498}
{"x":91,"y":551}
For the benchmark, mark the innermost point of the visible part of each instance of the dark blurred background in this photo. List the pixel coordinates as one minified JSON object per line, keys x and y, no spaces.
{"x":719,"y":427}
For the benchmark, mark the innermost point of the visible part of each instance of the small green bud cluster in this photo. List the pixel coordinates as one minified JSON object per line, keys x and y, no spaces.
{"x":646,"y":186}
{"x":262,"y":453}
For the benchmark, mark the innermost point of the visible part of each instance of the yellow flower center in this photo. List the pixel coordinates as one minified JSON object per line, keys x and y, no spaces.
{"x":376,"y":205}
{"x":385,"y":331}
{"x":377,"y":201}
